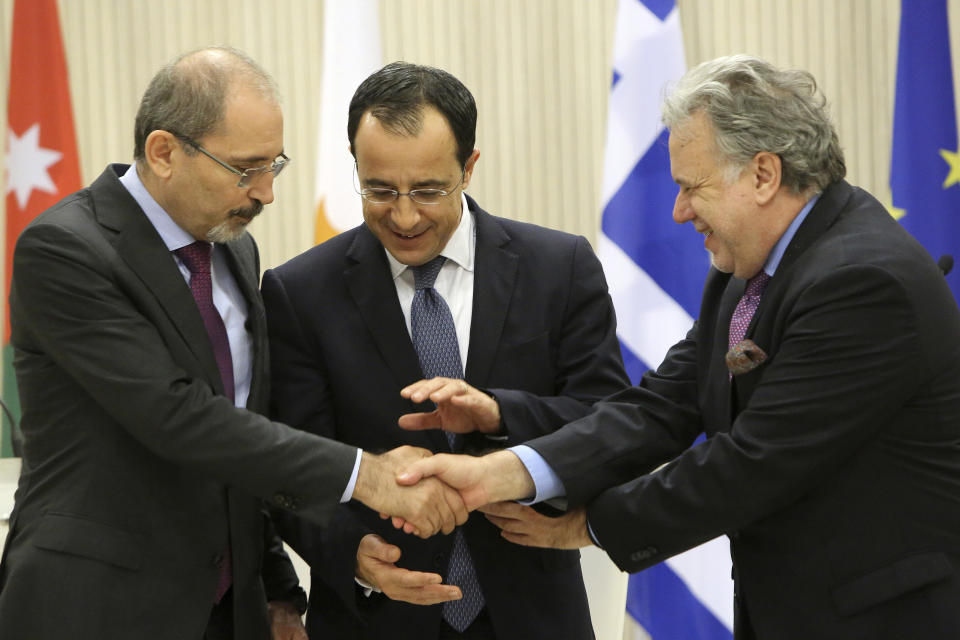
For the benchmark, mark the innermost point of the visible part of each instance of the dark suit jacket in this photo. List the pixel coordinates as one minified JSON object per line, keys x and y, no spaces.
{"x":834,"y":467}
{"x":136,"y":470}
{"x":542,"y":339}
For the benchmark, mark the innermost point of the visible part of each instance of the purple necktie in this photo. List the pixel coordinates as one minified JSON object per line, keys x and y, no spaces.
{"x":435,"y":340}
{"x":196,"y":257}
{"x":747,"y":307}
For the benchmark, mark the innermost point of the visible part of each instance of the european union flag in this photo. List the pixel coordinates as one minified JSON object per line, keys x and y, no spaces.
{"x":925,"y":167}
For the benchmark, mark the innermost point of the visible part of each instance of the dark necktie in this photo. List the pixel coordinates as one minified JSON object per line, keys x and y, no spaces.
{"x":196,"y":257}
{"x":747,"y":307}
{"x":435,"y":340}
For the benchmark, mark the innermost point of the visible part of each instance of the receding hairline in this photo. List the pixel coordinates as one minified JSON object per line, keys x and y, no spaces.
{"x":240,"y":70}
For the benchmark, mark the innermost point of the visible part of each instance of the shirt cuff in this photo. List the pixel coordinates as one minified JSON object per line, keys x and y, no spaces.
{"x":348,"y":492}
{"x":545,"y":480}
{"x":593,"y":536}
{"x":367,"y":588}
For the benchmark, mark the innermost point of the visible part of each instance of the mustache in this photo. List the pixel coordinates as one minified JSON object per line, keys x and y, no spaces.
{"x":250,"y":212}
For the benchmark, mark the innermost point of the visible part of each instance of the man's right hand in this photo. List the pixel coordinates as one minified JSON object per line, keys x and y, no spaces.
{"x":481,"y":480}
{"x":428,"y":507}
{"x":376,"y":565}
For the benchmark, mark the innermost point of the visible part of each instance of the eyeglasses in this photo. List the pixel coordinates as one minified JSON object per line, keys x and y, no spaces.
{"x":246,"y":175}
{"x":378,"y":195}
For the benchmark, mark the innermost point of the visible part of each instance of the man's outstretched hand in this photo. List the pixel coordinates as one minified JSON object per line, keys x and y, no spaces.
{"x":461,"y":408}
{"x":428,"y":507}
{"x":478,"y":480}
{"x":376,"y":565}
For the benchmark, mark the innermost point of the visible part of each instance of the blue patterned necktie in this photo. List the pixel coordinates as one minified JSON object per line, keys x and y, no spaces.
{"x":435,"y":340}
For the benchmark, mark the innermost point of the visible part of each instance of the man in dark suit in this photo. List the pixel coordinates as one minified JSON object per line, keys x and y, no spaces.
{"x":532,"y":324}
{"x":141,"y":361}
{"x":832,"y":416}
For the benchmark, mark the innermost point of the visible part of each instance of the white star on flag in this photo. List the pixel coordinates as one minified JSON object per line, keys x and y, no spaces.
{"x":27,"y":165}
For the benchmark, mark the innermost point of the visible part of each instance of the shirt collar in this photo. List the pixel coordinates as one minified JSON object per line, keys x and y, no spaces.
{"x":773,"y":260}
{"x":170,"y":232}
{"x":460,"y":247}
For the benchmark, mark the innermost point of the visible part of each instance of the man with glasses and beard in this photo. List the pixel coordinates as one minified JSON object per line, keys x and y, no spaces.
{"x":140,"y":353}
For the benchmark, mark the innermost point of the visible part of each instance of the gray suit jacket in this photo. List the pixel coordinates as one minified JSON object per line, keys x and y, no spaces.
{"x":137,"y":471}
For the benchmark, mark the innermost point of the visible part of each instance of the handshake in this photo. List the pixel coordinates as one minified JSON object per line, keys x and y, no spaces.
{"x":426,"y":494}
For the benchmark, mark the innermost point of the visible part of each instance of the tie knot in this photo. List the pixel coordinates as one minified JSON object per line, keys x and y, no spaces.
{"x":757,"y":284}
{"x":426,"y":274}
{"x":196,"y":256}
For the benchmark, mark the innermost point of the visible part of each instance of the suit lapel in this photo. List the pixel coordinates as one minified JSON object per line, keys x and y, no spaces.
{"x":719,"y":378}
{"x":494,"y":278}
{"x":141,"y":248}
{"x":821,"y":217}
{"x":372,"y":289}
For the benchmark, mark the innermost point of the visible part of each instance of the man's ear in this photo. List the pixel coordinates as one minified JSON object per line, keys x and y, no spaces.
{"x":159,"y":151}
{"x":767,"y":174}
{"x":468,"y":167}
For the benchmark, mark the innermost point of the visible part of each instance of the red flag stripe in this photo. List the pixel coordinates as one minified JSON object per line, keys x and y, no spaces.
{"x":39,"y":95}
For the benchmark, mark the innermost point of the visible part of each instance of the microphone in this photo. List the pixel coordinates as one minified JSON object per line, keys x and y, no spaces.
{"x":945,"y":263}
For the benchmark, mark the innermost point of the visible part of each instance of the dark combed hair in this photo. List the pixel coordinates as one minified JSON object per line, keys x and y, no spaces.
{"x":397,"y":94}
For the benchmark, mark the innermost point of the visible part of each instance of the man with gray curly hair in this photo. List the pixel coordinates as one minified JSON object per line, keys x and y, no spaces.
{"x":824,"y":371}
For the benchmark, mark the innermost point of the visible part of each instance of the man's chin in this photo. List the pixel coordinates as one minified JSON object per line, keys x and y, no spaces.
{"x":228,"y":230}
{"x":719,"y":265}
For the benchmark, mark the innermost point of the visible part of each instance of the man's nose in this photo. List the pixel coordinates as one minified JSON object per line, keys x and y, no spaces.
{"x":262,"y":188}
{"x":404,"y":214}
{"x":682,"y":211}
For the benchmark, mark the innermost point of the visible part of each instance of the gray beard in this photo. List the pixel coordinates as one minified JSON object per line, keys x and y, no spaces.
{"x":225,"y":232}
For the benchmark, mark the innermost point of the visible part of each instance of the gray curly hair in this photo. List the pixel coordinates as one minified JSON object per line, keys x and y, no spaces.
{"x":753,"y":107}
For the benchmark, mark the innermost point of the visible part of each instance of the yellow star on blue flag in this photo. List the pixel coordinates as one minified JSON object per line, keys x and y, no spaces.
{"x":925,"y":164}
{"x":953,"y":160}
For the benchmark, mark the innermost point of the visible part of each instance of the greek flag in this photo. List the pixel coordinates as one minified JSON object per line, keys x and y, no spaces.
{"x":656,"y":270}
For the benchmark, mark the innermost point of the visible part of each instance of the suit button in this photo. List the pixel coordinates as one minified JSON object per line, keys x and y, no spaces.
{"x":643,"y":554}
{"x":440,"y":561}
{"x":286,"y":502}
{"x":217,"y":560}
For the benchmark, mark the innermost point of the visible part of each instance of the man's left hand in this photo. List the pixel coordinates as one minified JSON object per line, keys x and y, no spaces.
{"x":460,"y":407}
{"x":285,"y":622}
{"x":523,"y":525}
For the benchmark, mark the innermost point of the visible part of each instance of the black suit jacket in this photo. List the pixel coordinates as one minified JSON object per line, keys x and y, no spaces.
{"x":136,"y":470}
{"x":834,"y":467}
{"x":542,"y":339}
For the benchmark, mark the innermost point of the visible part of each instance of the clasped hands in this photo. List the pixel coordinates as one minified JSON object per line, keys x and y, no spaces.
{"x":435,"y":493}
{"x":428,"y":494}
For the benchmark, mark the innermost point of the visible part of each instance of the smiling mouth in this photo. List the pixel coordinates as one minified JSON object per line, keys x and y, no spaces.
{"x":407,"y":236}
